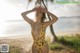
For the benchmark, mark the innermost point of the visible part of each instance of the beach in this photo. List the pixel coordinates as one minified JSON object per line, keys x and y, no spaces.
{"x":19,"y":44}
{"x":22,"y":44}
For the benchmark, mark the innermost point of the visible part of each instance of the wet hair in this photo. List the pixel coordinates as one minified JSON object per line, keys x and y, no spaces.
{"x":43,"y":17}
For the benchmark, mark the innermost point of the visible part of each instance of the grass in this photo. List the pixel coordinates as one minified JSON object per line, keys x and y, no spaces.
{"x":14,"y":49}
{"x":72,"y":42}
{"x":65,"y":43}
{"x":55,"y":46}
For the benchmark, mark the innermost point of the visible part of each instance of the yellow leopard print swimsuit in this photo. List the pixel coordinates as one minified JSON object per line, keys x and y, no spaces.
{"x":39,"y":42}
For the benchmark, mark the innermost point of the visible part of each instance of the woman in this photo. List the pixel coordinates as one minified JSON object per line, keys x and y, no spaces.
{"x":38,"y":28}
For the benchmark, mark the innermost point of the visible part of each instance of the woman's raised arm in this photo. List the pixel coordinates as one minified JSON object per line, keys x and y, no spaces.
{"x":31,"y":22}
{"x":53,"y":17}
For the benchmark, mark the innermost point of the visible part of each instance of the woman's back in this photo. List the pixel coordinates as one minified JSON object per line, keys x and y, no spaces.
{"x":38,"y":31}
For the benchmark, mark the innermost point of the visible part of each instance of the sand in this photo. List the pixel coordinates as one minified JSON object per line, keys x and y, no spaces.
{"x":21,"y":44}
{"x":24,"y":44}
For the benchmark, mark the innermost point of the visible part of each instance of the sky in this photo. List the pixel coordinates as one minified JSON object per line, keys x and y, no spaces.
{"x":12,"y":9}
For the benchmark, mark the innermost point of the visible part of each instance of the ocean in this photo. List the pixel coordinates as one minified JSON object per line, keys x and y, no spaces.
{"x":21,"y":27}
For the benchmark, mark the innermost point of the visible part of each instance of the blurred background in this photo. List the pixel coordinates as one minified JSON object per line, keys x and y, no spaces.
{"x":13,"y":28}
{"x":12,"y":23}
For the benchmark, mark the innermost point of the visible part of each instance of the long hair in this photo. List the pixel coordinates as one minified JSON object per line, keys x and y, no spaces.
{"x":43,"y":17}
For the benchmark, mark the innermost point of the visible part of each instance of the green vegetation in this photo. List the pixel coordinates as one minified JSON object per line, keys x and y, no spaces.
{"x":67,"y":42}
{"x":48,"y":39}
{"x":14,"y":49}
{"x":55,"y":46}
{"x":68,"y":2}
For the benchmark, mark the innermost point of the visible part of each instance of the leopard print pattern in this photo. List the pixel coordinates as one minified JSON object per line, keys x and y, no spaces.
{"x":39,"y":42}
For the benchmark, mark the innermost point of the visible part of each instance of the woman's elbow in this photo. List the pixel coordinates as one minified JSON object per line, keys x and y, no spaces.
{"x":22,"y":14}
{"x":56,"y":19}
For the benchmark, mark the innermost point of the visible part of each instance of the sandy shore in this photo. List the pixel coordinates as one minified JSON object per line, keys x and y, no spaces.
{"x":22,"y":43}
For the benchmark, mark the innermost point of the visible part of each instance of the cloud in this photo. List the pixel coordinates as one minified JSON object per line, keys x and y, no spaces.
{"x":58,"y":9}
{"x":66,"y":10}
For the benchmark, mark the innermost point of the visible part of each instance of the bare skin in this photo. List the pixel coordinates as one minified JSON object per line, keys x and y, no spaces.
{"x":38,"y":28}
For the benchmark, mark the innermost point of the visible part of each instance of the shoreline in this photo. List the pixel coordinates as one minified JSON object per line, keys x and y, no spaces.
{"x":22,"y":43}
{"x":67,"y":33}
{"x":29,"y":36}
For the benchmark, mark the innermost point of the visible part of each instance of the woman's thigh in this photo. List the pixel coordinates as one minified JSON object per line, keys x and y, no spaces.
{"x":33,"y":49}
{"x":45,"y":49}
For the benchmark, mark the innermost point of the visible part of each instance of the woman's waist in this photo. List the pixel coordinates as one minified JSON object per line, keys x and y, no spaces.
{"x":38,"y":33}
{"x":39,"y":41}
{"x":39,"y":38}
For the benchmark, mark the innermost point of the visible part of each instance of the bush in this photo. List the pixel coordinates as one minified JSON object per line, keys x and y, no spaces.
{"x":55,"y":46}
{"x":72,"y":42}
